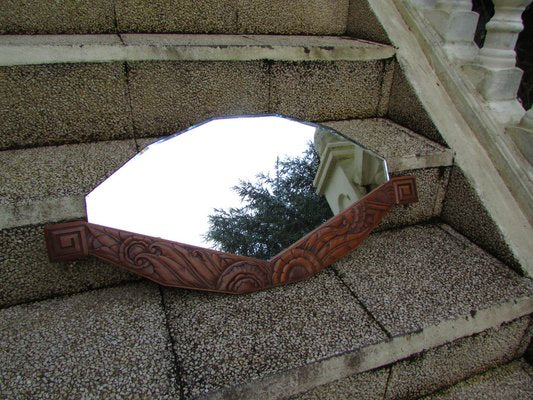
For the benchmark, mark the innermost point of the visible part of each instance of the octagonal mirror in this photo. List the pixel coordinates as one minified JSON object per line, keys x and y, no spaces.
{"x":234,"y":204}
{"x":250,"y":185}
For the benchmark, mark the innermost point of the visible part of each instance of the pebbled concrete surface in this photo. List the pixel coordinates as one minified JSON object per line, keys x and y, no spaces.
{"x":63,"y":103}
{"x":222,"y":341}
{"x":48,"y":184}
{"x":27,"y":275}
{"x":321,"y":91}
{"x":362,"y":23}
{"x":110,"y":343}
{"x":58,"y":171}
{"x":369,"y":385}
{"x":51,"y":16}
{"x":171,"y":96}
{"x":454,"y":362}
{"x":310,"y":17}
{"x":406,"y":109}
{"x":417,"y":276}
{"x":463,"y":210}
{"x":178,"y":16}
{"x":315,"y":17}
{"x":402,"y":148}
{"x":511,"y":381}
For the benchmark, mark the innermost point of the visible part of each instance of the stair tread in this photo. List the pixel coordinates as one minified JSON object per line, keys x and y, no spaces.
{"x":45,"y":184}
{"x":402,"y":148}
{"x":45,"y":49}
{"x":221,"y":341}
{"x":428,"y":274}
{"x":74,"y":347}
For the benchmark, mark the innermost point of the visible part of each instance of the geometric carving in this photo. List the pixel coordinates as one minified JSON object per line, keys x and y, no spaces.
{"x":66,"y":241}
{"x":405,"y":190}
{"x":181,"y":265}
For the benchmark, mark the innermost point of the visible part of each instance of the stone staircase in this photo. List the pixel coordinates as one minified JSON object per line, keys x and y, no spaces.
{"x":431,"y":299}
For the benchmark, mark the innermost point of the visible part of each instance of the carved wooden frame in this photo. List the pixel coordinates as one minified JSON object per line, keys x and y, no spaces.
{"x":180,"y":265}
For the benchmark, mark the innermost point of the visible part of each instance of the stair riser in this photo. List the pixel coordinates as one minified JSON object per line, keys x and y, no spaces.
{"x":71,"y":103}
{"x":315,"y":17}
{"x":27,"y":274}
{"x":463,"y":210}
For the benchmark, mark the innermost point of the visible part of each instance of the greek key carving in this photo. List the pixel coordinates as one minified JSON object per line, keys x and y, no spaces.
{"x":180,"y":265}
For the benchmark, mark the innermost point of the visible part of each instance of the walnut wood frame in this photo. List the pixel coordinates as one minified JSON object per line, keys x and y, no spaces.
{"x":180,"y":265}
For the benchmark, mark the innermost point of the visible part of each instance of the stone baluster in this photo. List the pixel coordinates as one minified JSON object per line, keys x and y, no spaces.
{"x":522,"y":134}
{"x":494,"y":71}
{"x":456,"y":23}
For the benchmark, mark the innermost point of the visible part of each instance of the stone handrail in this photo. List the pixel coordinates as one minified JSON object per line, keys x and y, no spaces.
{"x":492,"y":68}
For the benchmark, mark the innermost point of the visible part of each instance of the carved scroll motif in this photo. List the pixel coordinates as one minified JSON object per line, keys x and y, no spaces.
{"x":181,"y":265}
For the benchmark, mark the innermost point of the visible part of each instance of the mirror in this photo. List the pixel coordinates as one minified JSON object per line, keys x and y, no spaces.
{"x":249,"y":185}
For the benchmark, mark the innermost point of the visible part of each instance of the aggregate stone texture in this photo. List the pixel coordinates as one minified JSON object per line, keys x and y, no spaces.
{"x":304,"y":17}
{"x":363,"y":23}
{"x":315,"y":17}
{"x":176,"y":16}
{"x":57,"y":171}
{"x":365,"y":386}
{"x":222,"y":341}
{"x":28,"y":275}
{"x":326,"y":90}
{"x":389,"y":140}
{"x":418,"y":276}
{"x":446,"y":365}
{"x":464,"y":211}
{"x":52,"y":16}
{"x":110,"y":343}
{"x":406,"y":109}
{"x":170,"y":96}
{"x":511,"y":381}
{"x":63,"y":103}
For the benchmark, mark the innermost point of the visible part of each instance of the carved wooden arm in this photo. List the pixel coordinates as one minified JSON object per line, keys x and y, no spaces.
{"x":180,"y":265}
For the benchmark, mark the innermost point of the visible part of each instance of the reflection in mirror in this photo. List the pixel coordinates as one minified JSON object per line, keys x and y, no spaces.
{"x":245,"y":185}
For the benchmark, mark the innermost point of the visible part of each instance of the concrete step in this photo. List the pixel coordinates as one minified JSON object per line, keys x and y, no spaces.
{"x":511,"y":381}
{"x":47,"y":184}
{"x":43,"y":185}
{"x":307,"y":17}
{"x":82,"y":88}
{"x":412,"y":311}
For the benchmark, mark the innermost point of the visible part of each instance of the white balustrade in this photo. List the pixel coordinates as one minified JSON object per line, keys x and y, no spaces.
{"x":456,"y":23}
{"x":502,"y":34}
{"x":522,"y":134}
{"x":493,"y":71}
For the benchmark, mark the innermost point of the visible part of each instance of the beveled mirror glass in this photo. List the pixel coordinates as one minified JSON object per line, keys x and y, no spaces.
{"x":235,"y":205}
{"x":245,"y":185}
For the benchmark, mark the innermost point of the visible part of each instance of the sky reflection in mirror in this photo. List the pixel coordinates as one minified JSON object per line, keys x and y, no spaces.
{"x":170,"y":188}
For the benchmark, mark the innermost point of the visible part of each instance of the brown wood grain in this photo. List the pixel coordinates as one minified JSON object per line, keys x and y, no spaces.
{"x":180,"y":265}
